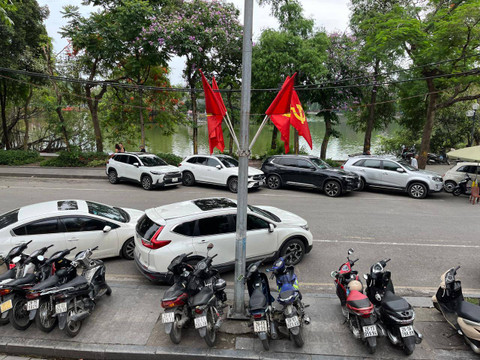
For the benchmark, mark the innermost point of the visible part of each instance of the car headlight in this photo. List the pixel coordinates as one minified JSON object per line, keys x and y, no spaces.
{"x":437,"y":179}
{"x":305,"y":227}
{"x":157,"y":173}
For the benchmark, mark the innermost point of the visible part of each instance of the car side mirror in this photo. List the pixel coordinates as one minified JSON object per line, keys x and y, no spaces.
{"x":271,"y":227}
{"x":219,"y":167}
{"x":400,"y":170}
{"x":136,"y":164}
{"x":107,"y":229}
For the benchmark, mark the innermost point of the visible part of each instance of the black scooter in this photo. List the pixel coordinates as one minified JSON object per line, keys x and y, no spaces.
{"x":462,"y":188}
{"x":260,"y":304}
{"x":394,"y":312}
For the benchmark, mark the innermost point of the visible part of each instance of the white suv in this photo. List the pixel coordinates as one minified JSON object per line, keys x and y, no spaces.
{"x":147,"y":169}
{"x":218,"y":170}
{"x":189,"y":226}
{"x":390,"y":173}
{"x":457,"y":173}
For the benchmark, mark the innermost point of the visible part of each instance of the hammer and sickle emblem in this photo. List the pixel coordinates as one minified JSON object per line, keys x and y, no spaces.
{"x":300,"y":115}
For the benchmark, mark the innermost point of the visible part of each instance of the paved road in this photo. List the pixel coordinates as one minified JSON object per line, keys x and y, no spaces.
{"x":423,"y":237}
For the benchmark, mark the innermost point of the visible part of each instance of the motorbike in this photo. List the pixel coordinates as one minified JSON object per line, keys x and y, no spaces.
{"x":175,"y":299}
{"x":260,"y":304}
{"x":356,"y":306}
{"x":208,"y":303}
{"x":441,"y":158}
{"x":395,"y":313}
{"x":462,"y":188}
{"x":292,"y":315}
{"x":75,"y":300}
{"x":408,"y":154}
{"x":463,"y":316}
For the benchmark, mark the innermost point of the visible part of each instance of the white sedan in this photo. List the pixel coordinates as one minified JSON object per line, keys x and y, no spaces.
{"x":218,"y":170}
{"x":71,"y":223}
{"x":189,"y":226}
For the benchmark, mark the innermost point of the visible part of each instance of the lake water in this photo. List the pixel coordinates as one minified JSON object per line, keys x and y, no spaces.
{"x":180,"y":143}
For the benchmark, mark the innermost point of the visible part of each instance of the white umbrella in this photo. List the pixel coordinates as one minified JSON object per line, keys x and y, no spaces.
{"x":467,"y":154}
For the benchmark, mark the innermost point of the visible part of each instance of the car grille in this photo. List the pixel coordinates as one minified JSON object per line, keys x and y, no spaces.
{"x":258,"y":177}
{"x":173,"y":175}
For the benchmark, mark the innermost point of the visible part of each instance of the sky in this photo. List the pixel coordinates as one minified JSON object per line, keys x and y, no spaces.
{"x":331,"y":15}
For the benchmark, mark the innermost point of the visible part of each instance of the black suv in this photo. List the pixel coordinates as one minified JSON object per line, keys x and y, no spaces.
{"x":308,"y":171}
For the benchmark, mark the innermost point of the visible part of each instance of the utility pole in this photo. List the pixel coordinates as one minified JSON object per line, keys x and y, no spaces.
{"x":243,"y":155}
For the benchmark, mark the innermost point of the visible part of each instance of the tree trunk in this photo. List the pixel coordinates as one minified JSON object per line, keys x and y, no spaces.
{"x":296,"y":143}
{"x":193,"y":96}
{"x":92,"y":103}
{"x":3,"y":106}
{"x":142,"y":124}
{"x":58,"y":110}
{"x":326,"y":138}
{"x":371,"y":112}
{"x":428,"y":127}
{"x":25,"y":119}
{"x":273,"y":145}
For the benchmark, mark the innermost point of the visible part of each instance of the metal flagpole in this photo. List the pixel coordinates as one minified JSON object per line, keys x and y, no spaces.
{"x":243,"y":155}
{"x":258,"y":131}
{"x":231,"y":129}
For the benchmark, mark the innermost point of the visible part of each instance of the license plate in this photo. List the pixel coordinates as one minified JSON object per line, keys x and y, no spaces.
{"x":61,"y":308}
{"x":292,"y":322}
{"x":33,"y":305}
{"x":369,"y":331}
{"x":200,"y":322}
{"x":260,"y":326}
{"x":174,"y":179}
{"x":168,"y":317}
{"x":7,"y":305}
{"x":407,"y":331}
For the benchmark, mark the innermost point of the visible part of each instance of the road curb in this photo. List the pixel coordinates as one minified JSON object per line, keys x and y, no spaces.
{"x":53,"y":176}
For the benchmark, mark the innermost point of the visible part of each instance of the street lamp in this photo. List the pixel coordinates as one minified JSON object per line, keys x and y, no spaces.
{"x":472,"y":113}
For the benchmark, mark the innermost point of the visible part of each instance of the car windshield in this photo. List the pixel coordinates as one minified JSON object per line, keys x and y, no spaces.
{"x":8,"y":218}
{"x":320,"y":163}
{"x":108,"y":212}
{"x":228,"y":162}
{"x":265,"y":213}
{"x":152,"y":161}
{"x":407,"y":165}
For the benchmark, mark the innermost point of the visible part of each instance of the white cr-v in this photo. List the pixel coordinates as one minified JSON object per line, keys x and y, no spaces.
{"x":147,"y":169}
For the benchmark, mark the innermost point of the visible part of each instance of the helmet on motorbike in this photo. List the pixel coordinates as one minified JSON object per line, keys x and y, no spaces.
{"x":355,"y":285}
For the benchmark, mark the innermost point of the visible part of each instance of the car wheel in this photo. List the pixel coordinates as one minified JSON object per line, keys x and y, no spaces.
{"x":128,"y":249}
{"x":332,"y":188}
{"x":188,"y":179}
{"x":449,"y":186}
{"x":232,"y":184}
{"x":147,"y":182}
{"x":113,"y":176}
{"x":417,"y":190}
{"x":293,"y":251}
{"x":363,"y":184}
{"x":274,"y":182}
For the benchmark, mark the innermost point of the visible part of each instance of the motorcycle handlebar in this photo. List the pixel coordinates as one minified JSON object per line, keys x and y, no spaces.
{"x":354,"y":261}
{"x":72,"y":249}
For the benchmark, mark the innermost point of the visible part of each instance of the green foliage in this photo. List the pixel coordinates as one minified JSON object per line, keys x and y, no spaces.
{"x":170,"y":159}
{"x":18,"y":157}
{"x":76,"y":159}
{"x":332,"y":163}
{"x":278,"y":151}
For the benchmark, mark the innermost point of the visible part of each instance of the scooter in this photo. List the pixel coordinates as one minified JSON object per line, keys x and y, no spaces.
{"x":292,"y":315}
{"x":408,"y":154}
{"x":463,"y":316}
{"x":356,"y":307}
{"x":260,"y":304}
{"x":395,"y":312}
{"x":461,"y":187}
{"x":433,"y":159}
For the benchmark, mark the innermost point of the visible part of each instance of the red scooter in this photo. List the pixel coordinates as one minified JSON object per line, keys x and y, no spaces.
{"x":356,"y":307}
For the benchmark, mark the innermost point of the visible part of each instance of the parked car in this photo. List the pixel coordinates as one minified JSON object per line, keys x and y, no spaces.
{"x":189,"y":226}
{"x":310,"y":172}
{"x":218,"y":170}
{"x":69,"y":223}
{"x":457,"y":173}
{"x":147,"y":169}
{"x":391,"y":173}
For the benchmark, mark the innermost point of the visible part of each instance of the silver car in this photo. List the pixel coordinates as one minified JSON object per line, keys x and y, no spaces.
{"x":390,"y":173}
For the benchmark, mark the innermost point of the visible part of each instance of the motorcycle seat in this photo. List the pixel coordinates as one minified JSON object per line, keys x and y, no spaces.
{"x":30,"y":278}
{"x":357,"y":300}
{"x":79,"y":281}
{"x":469,"y":311}
{"x":10,"y":274}
{"x":394,"y":303}
{"x":173,"y":292}
{"x":50,"y":282}
{"x":258,"y":301}
{"x":202,"y":297}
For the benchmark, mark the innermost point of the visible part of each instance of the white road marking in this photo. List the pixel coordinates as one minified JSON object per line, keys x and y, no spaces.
{"x":397,"y":243}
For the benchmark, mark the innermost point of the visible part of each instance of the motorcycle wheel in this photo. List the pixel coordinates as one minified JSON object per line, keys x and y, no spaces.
{"x":44,"y":319}
{"x":298,"y":339}
{"x":457,"y":192}
{"x":18,"y":314}
{"x":211,"y":335}
{"x":409,"y":345}
{"x":372,"y":344}
{"x":73,"y":327}
{"x":176,"y":333}
{"x":266,"y":344}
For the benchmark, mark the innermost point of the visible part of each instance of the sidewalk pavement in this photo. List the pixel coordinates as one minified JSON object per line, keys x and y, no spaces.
{"x":127,"y":325}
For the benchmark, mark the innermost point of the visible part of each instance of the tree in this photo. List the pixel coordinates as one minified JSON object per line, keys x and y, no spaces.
{"x":205,"y":33}
{"x":4,"y":6}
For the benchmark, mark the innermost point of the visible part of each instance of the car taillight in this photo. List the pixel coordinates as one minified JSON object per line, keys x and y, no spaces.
{"x":341,"y":166}
{"x":153,"y":243}
{"x":179,"y":164}
{"x":177,"y":302}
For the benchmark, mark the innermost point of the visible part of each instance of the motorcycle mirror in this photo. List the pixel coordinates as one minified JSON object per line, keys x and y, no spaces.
{"x":210,"y":246}
{"x":350,"y":251}
{"x":365,"y":276}
{"x":333,"y":274}
{"x":16,"y":259}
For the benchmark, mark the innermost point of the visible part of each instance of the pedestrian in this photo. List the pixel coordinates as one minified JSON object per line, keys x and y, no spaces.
{"x":414,"y":162}
{"x":117,"y":148}
{"x":122,"y":149}
{"x":142,"y":148}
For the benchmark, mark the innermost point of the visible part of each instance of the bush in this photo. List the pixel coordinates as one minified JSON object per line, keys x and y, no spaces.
{"x":278,"y":151}
{"x":333,"y":163}
{"x":170,"y":159}
{"x":18,"y":157}
{"x":76,"y":159}
{"x":96,"y":163}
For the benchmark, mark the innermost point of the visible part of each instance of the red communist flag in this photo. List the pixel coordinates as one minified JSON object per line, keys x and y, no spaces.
{"x":298,"y":119}
{"x":215,"y":113}
{"x":218,"y":96}
{"x":279,"y":111}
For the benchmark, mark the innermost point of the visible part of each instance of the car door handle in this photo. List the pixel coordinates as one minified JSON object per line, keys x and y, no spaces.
{"x":202,"y":241}
{"x":73,"y":239}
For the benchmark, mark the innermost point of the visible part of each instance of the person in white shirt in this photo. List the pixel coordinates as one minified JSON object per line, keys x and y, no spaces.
{"x":414,"y":162}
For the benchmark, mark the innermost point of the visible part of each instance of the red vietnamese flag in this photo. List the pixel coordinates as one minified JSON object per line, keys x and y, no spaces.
{"x":279,"y":111}
{"x":215,"y":115}
{"x":298,"y":119}
{"x":218,"y":96}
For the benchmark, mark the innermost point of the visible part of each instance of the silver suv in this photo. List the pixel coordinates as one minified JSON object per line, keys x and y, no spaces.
{"x":390,"y":173}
